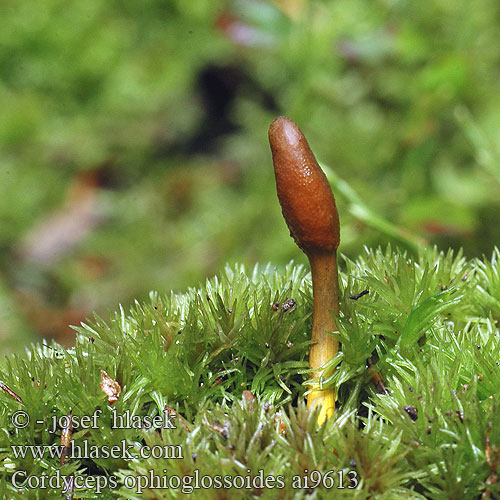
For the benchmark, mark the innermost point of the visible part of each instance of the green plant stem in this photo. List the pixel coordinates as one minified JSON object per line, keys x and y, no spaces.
{"x":362,"y":212}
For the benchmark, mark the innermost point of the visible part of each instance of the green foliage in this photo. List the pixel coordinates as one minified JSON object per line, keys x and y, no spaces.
{"x":230,"y":362}
{"x":399,"y":98}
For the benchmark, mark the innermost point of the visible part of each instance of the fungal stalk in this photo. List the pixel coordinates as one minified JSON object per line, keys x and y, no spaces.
{"x":309,"y":210}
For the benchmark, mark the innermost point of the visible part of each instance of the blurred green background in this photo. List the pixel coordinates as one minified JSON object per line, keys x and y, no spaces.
{"x":133,"y":139}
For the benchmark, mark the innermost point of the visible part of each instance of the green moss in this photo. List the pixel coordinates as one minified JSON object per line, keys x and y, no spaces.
{"x":427,"y":323}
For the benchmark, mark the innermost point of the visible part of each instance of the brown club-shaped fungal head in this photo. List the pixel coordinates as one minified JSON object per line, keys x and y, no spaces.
{"x":304,"y":193}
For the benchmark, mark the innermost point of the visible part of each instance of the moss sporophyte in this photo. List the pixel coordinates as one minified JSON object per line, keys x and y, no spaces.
{"x":309,"y":210}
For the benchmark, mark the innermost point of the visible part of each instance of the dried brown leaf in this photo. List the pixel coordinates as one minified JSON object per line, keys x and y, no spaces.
{"x":110,"y":387}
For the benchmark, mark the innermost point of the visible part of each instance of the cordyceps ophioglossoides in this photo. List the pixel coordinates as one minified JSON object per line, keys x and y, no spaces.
{"x":309,"y":210}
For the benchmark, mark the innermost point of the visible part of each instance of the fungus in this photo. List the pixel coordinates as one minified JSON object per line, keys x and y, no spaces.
{"x":309,"y":210}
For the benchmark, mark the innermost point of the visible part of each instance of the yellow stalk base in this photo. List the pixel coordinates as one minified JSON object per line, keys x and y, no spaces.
{"x":325,"y":291}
